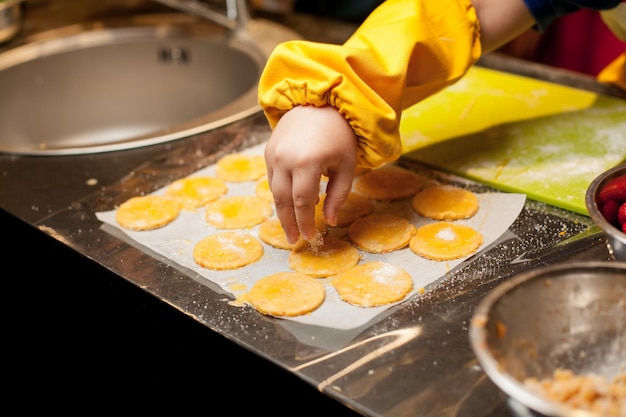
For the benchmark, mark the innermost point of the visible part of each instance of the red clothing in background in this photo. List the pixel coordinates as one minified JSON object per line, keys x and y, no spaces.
{"x":579,"y":42}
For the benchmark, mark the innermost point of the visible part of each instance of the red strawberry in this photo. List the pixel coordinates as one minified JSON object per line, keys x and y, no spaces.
{"x":609,"y":211}
{"x":615,"y":189}
{"x":621,"y":215}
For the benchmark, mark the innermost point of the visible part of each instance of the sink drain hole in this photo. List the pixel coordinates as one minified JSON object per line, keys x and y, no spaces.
{"x":174,"y":54}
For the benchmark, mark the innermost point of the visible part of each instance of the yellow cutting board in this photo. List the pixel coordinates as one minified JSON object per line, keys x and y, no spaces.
{"x":518,"y":134}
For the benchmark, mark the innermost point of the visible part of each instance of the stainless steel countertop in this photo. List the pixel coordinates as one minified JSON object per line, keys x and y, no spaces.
{"x":416,"y":361}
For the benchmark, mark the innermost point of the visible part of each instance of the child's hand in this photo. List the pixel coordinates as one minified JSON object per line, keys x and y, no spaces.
{"x":309,"y":142}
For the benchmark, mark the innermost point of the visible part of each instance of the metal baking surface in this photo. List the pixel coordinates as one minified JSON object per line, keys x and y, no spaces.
{"x":415,"y":361}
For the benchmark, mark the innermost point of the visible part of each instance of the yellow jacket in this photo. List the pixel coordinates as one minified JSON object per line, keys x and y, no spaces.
{"x":405,"y":51}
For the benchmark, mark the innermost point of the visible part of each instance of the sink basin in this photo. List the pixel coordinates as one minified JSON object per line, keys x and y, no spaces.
{"x":129,"y":82}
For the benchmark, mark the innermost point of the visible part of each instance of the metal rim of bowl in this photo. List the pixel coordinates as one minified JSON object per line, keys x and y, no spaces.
{"x":478,"y":337}
{"x":592,"y":191}
{"x":594,"y":211}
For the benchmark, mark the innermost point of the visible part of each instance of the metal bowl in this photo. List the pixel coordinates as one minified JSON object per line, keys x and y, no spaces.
{"x":616,"y":239}
{"x":566,"y":316}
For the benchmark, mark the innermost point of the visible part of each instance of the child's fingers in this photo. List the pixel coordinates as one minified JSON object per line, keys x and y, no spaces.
{"x":306,"y":190}
{"x":337,"y":190}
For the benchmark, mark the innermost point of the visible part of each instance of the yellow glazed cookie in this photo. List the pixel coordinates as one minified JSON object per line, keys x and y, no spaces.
{"x":329,"y":257}
{"x":286,"y":294}
{"x":373,"y":284}
{"x":272,"y":233}
{"x":193,"y":192}
{"x":445,"y":202}
{"x":443,"y":241}
{"x":238,"y":212}
{"x":262,"y":189}
{"x":227,"y":250}
{"x":147,"y":212}
{"x":388,"y":183}
{"x":239,"y":167}
{"x":381,"y":233}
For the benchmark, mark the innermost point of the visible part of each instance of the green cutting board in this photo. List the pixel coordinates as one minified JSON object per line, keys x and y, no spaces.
{"x":518,"y":134}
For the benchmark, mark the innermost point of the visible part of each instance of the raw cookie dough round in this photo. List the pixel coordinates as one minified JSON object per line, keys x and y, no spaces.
{"x":373,"y":284}
{"x":272,"y":233}
{"x":381,"y":233}
{"x":445,"y":202}
{"x":227,"y":250}
{"x":355,"y":207}
{"x":239,"y":167}
{"x":388,"y":183}
{"x":238,"y":212}
{"x":443,"y":241}
{"x":329,"y":257}
{"x":147,"y":212}
{"x":286,"y":294}
{"x":194,"y":192}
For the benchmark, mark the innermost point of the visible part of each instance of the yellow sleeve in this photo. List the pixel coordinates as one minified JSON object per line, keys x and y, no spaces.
{"x":405,"y":51}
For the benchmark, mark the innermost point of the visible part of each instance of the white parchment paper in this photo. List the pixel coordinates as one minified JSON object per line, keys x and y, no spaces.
{"x":176,"y":242}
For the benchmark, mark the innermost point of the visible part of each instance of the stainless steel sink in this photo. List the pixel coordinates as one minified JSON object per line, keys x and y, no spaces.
{"x":130,"y":82}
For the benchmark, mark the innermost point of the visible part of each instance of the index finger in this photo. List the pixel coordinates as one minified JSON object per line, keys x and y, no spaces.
{"x":281,"y":187}
{"x":306,"y":193}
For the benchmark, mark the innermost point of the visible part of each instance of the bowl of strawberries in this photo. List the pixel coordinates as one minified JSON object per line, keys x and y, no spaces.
{"x":606,"y":204}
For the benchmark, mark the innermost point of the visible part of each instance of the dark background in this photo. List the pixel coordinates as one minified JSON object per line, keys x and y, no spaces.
{"x":82,"y":338}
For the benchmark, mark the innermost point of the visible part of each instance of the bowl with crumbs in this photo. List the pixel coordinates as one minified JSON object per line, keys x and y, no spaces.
{"x":606,"y":203}
{"x":553,"y":340}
